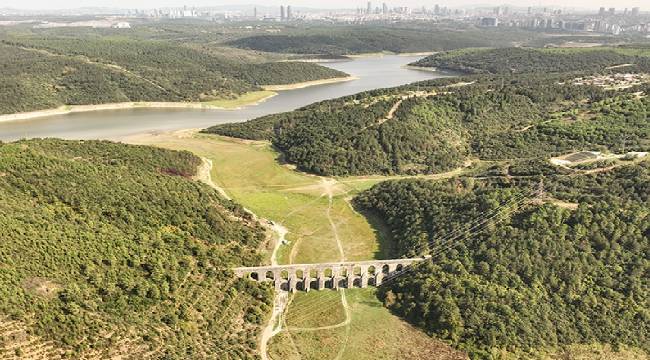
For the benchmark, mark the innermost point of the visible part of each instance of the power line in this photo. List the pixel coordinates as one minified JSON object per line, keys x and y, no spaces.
{"x":441,"y":246}
{"x":451,"y":237}
{"x":391,"y":278}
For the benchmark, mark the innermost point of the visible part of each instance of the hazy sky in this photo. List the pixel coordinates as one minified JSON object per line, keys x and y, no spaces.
{"x":64,"y":4}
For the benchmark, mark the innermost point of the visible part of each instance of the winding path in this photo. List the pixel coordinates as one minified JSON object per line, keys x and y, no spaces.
{"x":280,"y":299}
{"x":329,"y":186}
{"x":204,"y":175}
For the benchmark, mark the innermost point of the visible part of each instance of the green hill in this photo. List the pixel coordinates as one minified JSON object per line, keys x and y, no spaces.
{"x":438,"y":125}
{"x":41,"y":72}
{"x":373,"y":38}
{"x":108,"y":249}
{"x":526,"y":60}
{"x":539,"y":280}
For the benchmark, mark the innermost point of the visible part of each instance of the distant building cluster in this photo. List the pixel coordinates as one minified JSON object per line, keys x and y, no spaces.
{"x":607,"y":21}
{"x":603,"y":20}
{"x":385,"y":11}
{"x":96,"y":24}
{"x":170,"y":13}
{"x":184,"y":12}
{"x":612,"y":11}
{"x":286,"y":13}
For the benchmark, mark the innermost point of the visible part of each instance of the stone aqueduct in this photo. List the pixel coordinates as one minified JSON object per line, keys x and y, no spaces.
{"x":326,"y":275}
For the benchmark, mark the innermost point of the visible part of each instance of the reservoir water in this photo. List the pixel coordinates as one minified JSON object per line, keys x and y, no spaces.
{"x":372,"y":73}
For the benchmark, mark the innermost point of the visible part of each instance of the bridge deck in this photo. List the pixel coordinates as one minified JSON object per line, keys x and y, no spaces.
{"x":340,"y":264}
{"x":332,"y":274}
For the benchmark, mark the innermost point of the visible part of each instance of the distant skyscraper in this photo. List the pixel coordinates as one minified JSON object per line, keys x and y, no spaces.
{"x":289,"y":12}
{"x":255,"y":12}
{"x":384,"y":8}
{"x":601,"y":12}
{"x":489,"y":21}
{"x":436,"y":9}
{"x":612,"y":11}
{"x":283,"y":15}
{"x":635,"y":11}
{"x":369,"y":8}
{"x":497,"y":10}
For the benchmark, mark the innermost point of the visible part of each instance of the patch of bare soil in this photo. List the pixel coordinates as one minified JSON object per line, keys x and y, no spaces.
{"x":425,"y":348}
{"x":17,"y":343}
{"x":559,"y":203}
{"x":41,"y":287}
{"x":597,"y":352}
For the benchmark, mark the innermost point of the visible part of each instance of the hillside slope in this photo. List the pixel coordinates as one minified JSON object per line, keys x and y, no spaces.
{"x":526,"y":60}
{"x":541,"y":279}
{"x":112,"y":250}
{"x":42,"y":72}
{"x":438,"y":125}
{"x":373,"y":38}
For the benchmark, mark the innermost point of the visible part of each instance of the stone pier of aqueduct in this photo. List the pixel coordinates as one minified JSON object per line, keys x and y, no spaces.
{"x":326,"y":275}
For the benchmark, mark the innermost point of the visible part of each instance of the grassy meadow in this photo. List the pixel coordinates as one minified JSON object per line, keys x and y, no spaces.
{"x":373,"y":332}
{"x":249,"y":98}
{"x":251,"y":174}
{"x":316,"y":325}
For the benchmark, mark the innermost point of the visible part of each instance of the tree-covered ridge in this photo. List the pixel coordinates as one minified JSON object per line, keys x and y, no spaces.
{"x":527,"y":60}
{"x":101,"y":243}
{"x":542,"y":278}
{"x":398,"y":38}
{"x":438,"y":125}
{"x":46,"y":72}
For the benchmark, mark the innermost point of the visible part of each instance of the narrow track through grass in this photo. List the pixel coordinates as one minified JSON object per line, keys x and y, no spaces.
{"x":316,"y":211}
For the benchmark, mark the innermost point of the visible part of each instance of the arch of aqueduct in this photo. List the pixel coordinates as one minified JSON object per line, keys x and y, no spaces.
{"x":326,"y":275}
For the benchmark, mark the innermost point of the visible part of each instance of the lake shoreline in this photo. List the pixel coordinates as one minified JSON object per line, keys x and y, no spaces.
{"x":388,"y":53}
{"x":70,"y":109}
{"x":422,"y":68}
{"x":318,"y":60}
{"x":352,"y":57}
{"x":305,"y":84}
{"x":115,"y":123}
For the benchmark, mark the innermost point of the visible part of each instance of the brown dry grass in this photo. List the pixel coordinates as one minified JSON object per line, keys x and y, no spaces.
{"x":41,"y":287}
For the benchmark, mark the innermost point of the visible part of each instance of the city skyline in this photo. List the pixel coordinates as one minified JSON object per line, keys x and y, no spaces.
{"x":332,"y":4}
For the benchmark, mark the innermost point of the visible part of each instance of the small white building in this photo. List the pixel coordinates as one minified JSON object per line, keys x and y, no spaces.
{"x":122,"y":25}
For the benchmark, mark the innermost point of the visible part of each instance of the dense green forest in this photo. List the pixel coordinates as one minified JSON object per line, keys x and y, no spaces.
{"x":438,"y":125}
{"x":102,"y":243}
{"x":201,"y":60}
{"x":545,"y":276}
{"x":401,"y":38}
{"x":526,"y":60}
{"x":45,"y":71}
